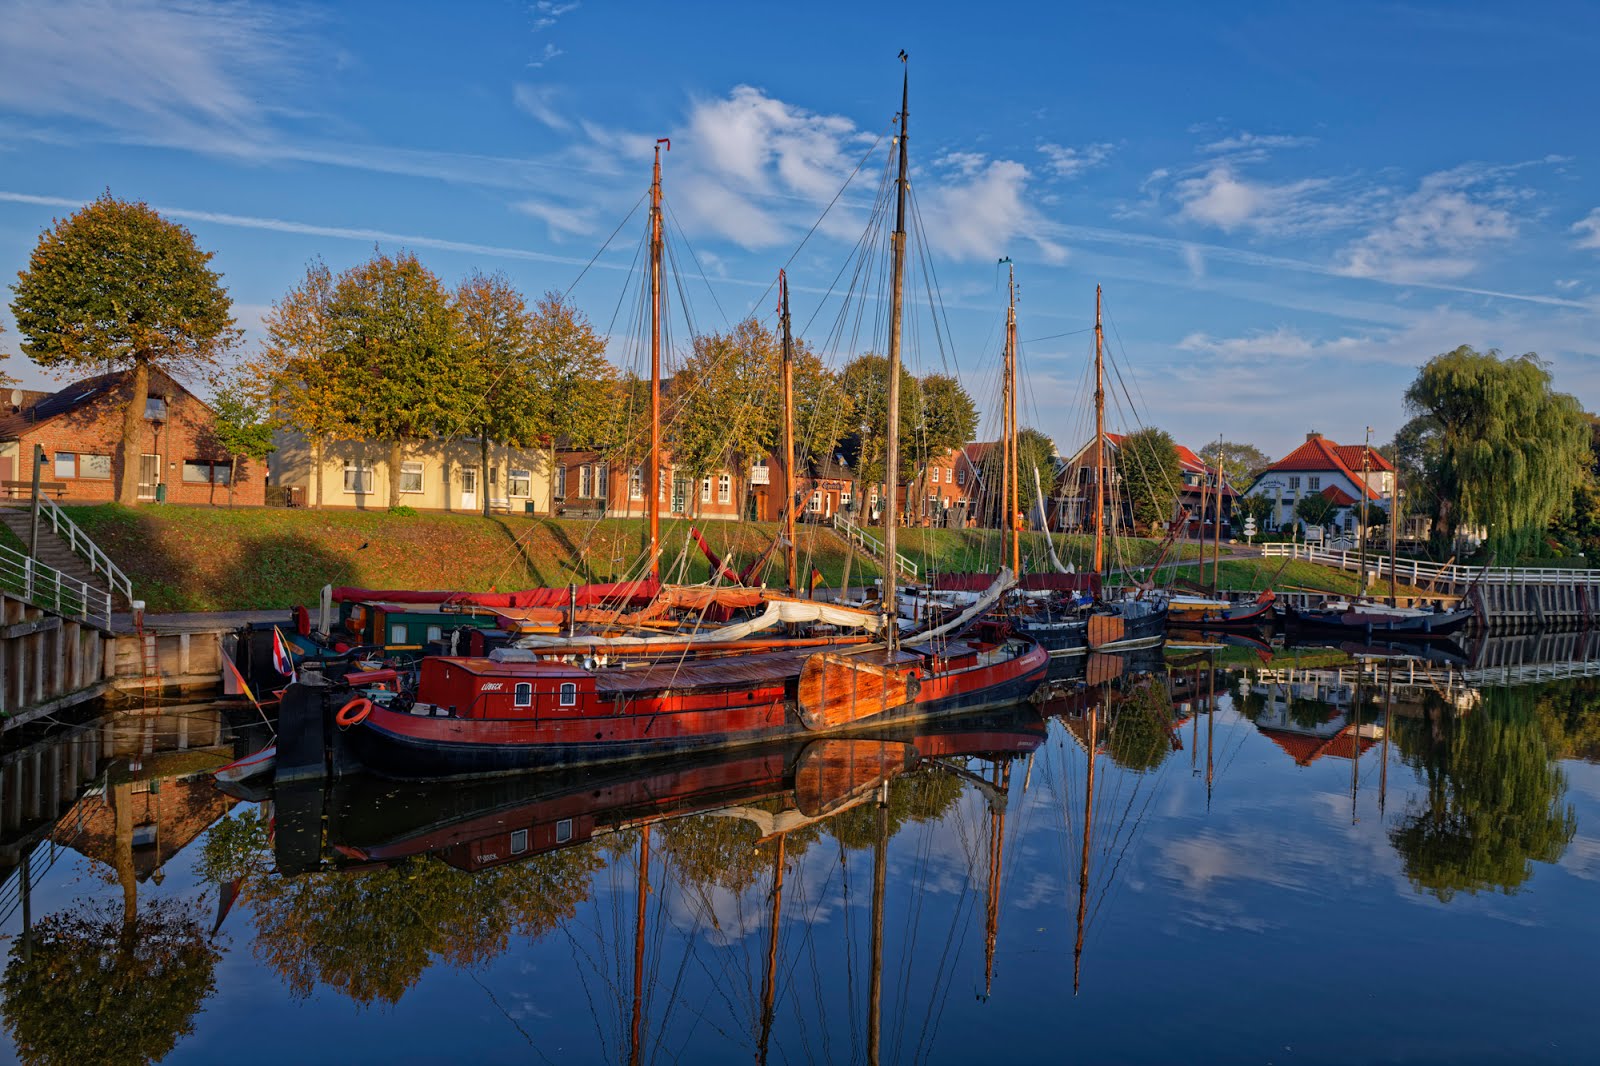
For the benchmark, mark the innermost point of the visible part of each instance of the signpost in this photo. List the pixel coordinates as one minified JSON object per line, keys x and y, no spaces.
{"x":1249,"y":529}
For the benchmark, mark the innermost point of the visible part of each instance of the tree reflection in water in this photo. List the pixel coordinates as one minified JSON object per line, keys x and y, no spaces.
{"x":96,"y":986}
{"x":1495,"y":801}
{"x":1140,"y":734}
{"x":371,"y":934}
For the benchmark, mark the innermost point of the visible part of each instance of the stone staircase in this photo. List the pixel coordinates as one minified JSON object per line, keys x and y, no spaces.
{"x":53,"y":549}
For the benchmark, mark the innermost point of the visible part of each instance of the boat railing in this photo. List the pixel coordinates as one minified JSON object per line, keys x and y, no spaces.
{"x":872,"y":545}
{"x":1419,"y":573}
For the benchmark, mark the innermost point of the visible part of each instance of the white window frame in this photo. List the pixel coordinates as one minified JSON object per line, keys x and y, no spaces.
{"x":1294,"y":484}
{"x":585,"y":482}
{"x":1313,"y":484}
{"x":569,"y":693}
{"x":814,"y":505}
{"x":563,"y":830}
{"x":522,"y":694}
{"x":519,"y":841}
{"x":408,"y":468}
{"x":602,"y":481}
{"x":705,"y":490}
{"x":636,"y":484}
{"x":844,"y":496}
{"x":363,"y":477}
{"x":517,"y":474}
{"x":724,"y":488}
{"x":399,"y":633}
{"x":561,"y":481}
{"x":935,"y":475}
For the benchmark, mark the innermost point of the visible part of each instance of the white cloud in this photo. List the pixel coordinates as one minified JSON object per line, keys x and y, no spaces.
{"x":1436,"y":232}
{"x":1221,"y":197}
{"x":562,"y":220}
{"x":1588,"y":230}
{"x":1064,"y":162}
{"x":980,"y":210}
{"x":547,"y":13}
{"x":539,"y":102}
{"x":176,"y":69}
{"x":1195,"y":260}
{"x":1255,"y":143}
{"x":549,"y":52}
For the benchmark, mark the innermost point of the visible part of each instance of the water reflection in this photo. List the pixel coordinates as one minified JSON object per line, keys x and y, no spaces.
{"x":824,"y":901}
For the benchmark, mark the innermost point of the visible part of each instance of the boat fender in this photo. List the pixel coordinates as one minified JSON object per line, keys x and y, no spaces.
{"x":302,"y":621}
{"x":353,"y":713}
{"x":913,"y":686}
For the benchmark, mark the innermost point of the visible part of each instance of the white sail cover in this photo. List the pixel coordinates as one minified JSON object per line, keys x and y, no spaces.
{"x":1044,"y":524}
{"x":778,"y":612}
{"x":991,"y":596}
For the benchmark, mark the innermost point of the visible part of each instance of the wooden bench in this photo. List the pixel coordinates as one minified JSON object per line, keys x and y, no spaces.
{"x":24,"y":489}
{"x":588,"y":509}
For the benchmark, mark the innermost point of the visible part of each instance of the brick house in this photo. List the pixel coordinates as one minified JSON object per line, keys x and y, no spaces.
{"x":825,"y":487}
{"x":1072,"y":499}
{"x":945,"y":490}
{"x":80,"y":429}
{"x":583,"y":479}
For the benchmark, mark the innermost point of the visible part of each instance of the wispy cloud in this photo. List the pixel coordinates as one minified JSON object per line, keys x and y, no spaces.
{"x":1066,"y":162}
{"x":549,"y":52}
{"x":547,"y":13}
{"x":1436,"y":232}
{"x":1224,"y":198}
{"x":539,"y":102}
{"x":979,"y":207}
{"x":1588,"y":230}
{"x":1243,"y":141}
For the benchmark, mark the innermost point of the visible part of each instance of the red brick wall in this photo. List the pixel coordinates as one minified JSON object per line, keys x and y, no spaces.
{"x":96,"y":429}
{"x":621,"y":505}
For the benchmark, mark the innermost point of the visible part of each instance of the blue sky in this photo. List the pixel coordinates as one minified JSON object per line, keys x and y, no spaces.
{"x":1290,"y":206}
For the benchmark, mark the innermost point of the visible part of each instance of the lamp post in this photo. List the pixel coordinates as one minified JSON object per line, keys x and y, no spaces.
{"x":33,"y":536}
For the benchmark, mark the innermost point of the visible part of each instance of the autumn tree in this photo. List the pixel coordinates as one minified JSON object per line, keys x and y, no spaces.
{"x":865,"y":380}
{"x":392,"y":321}
{"x":242,"y":420}
{"x":117,"y":287}
{"x":579,"y":397}
{"x":507,"y":404}
{"x":1511,"y":449}
{"x":726,"y":400}
{"x":310,"y":386}
{"x":1147,"y":464}
{"x":1035,"y":452}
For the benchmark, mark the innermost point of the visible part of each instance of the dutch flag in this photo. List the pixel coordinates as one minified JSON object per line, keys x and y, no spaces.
{"x":281,"y":659}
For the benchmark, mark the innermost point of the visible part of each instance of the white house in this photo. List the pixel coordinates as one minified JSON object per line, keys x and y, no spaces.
{"x":1337,"y":471}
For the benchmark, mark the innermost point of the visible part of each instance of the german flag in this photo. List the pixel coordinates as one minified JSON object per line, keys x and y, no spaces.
{"x":816,"y":578}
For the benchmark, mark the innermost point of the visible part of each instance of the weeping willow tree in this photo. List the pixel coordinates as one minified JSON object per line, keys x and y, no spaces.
{"x":1495,"y":800}
{"x":1511,"y":450}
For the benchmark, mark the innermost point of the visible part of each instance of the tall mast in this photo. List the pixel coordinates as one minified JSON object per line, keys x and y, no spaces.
{"x":769,"y":980}
{"x":788,"y":435}
{"x":1361,"y":526}
{"x":891,"y":474}
{"x":1394,"y":533}
{"x":654,"y":487}
{"x":1099,"y":440}
{"x":638,"y":944}
{"x":1216,"y":539}
{"x":1001,"y":779}
{"x":1013,"y":497}
{"x":1083,"y":863}
{"x":880,"y":860}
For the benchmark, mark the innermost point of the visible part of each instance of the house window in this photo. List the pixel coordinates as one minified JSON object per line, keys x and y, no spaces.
{"x":569,"y":694}
{"x":411,"y":477}
{"x":636,"y":484}
{"x":815,"y":506}
{"x":522,"y":695}
{"x":585,"y":482}
{"x":397,"y":633}
{"x":520,"y":482}
{"x":155,"y":408}
{"x":724,"y":488}
{"x":95,"y":466}
{"x":705,"y":490}
{"x":1294,"y":484}
{"x":66,"y":464}
{"x":519,"y":841}
{"x":935,"y":475}
{"x":602,"y":481}
{"x":563,"y":830}
{"x":961,"y":477}
{"x":1314,"y":484}
{"x":200,"y":471}
{"x":844,"y":496}
{"x":561,"y":482}
{"x":357,"y":476}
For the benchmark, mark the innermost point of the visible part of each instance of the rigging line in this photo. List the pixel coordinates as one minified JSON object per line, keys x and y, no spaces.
{"x":507,"y":1016}
{"x":1058,"y":336}
{"x":607,"y":244}
{"x":672,"y":220}
{"x":814,"y":226}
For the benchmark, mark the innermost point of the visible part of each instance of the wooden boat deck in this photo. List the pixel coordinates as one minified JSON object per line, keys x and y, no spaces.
{"x":766,"y":668}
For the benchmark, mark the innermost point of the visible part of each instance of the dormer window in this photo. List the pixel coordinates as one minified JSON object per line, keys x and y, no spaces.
{"x":155,"y":408}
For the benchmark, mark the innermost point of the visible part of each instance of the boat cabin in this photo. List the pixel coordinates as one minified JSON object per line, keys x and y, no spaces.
{"x":490,"y":688}
{"x":404,"y":629}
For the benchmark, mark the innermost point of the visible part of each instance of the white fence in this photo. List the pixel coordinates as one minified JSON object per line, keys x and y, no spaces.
{"x":82,"y":546}
{"x":1433,"y":575}
{"x":43,"y":586}
{"x":871,"y":544}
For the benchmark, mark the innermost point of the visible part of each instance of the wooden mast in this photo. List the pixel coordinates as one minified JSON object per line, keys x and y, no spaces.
{"x":769,"y":981}
{"x":1394,"y":534}
{"x":1361,"y":527}
{"x":1216,"y":540}
{"x":880,"y":860}
{"x":1001,"y":779}
{"x":1013,"y":496}
{"x":788,"y":436}
{"x":1099,"y":440}
{"x":638,"y":943}
{"x":891,"y":474}
{"x":1205,"y":497}
{"x":1083,"y":863}
{"x":653,"y":505}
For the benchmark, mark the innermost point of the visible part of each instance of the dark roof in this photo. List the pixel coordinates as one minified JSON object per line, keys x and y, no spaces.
{"x":75,"y":396}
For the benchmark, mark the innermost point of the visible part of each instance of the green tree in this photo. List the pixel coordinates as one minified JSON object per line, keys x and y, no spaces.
{"x":94,"y":987}
{"x":1495,"y":800}
{"x":1035,"y":452}
{"x":1139,"y":736}
{"x":946,"y":418}
{"x":394,"y":323}
{"x":1242,"y":463}
{"x":580,"y":390}
{"x":1316,"y":510}
{"x":1257,"y":507}
{"x":509,"y":406}
{"x":726,"y":400}
{"x":117,"y":287}
{"x":1147,"y":463}
{"x":242,"y":421}
{"x":311,"y":387}
{"x":865,"y":380}
{"x":1511,"y":449}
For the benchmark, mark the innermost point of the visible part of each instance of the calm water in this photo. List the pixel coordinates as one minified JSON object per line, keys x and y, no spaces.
{"x":1283,"y":861}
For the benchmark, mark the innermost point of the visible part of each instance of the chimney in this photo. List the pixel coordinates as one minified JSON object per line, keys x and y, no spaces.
{"x":1313,"y":435}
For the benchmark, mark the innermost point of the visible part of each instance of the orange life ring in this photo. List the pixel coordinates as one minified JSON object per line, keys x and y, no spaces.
{"x":353,"y":713}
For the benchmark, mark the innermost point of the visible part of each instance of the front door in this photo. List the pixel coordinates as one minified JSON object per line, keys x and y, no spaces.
{"x":680,"y":495}
{"x":469,"y":489}
{"x":149,"y":476}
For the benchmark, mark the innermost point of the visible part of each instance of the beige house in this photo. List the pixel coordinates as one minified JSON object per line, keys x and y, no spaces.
{"x":434,"y":476}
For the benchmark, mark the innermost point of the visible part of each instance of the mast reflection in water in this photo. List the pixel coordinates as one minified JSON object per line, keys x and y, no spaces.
{"x":1202,"y":821}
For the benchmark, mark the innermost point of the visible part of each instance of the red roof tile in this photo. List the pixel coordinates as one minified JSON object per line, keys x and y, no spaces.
{"x":1338,"y":496}
{"x":1319,"y":453}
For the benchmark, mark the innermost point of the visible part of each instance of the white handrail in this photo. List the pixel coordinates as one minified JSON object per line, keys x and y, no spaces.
{"x":860,"y":537}
{"x":44,"y":586}
{"x":1416,"y":570}
{"x":81,"y":545}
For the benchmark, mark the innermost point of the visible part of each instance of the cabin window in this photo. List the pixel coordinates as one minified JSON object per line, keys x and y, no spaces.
{"x":397,"y":633}
{"x":636,"y":484}
{"x":357,"y":476}
{"x":724,"y":488}
{"x":410,"y":477}
{"x":705,"y":490}
{"x":522,"y":695}
{"x":569,"y":694}
{"x":563,"y":830}
{"x":1314,"y":483}
{"x":435,"y":633}
{"x":519,"y":841}
{"x":519,"y":483}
